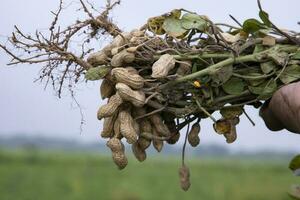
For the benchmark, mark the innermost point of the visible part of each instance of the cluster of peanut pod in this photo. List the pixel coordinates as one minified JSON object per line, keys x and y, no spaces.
{"x":127,"y":114}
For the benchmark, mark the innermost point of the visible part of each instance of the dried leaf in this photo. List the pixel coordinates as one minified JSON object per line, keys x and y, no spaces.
{"x":231,"y":112}
{"x":222,"y":126}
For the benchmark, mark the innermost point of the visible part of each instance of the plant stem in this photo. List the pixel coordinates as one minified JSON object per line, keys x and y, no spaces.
{"x":256,"y":57}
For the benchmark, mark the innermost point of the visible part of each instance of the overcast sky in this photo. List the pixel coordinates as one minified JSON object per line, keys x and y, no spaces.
{"x":26,"y":108}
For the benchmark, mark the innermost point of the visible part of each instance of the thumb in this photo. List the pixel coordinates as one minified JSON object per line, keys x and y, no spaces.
{"x":271,"y":121}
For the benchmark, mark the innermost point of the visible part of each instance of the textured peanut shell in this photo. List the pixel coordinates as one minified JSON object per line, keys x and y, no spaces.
{"x":163,"y":66}
{"x":138,"y":152}
{"x":127,"y":126}
{"x":137,"y":98}
{"x":184,"y":176}
{"x":175,"y":134}
{"x":193,"y":136}
{"x":120,"y":159}
{"x":122,"y":58}
{"x":108,"y":126}
{"x":111,"y":107}
{"x":159,"y":125}
{"x":115,"y":145}
{"x":97,"y":58}
{"x":107,"y":89}
{"x":117,"y":131}
{"x":144,"y":143}
{"x":157,"y":144}
{"x":128,"y":77}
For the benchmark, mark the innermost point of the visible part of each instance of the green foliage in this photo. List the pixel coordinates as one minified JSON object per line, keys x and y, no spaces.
{"x":97,"y":73}
{"x":234,"y":86}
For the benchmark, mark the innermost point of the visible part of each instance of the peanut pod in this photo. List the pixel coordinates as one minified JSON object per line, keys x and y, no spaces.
{"x":107,"y":89}
{"x":138,"y":152}
{"x":193,"y":136}
{"x":122,"y":58}
{"x":111,"y":107}
{"x":184,"y":175}
{"x":118,"y":152}
{"x":127,"y":126}
{"x":161,"y":68}
{"x":137,"y":98}
{"x":108,"y":126}
{"x":159,"y":125}
{"x":128,"y":76}
{"x":157,"y":144}
{"x":97,"y":58}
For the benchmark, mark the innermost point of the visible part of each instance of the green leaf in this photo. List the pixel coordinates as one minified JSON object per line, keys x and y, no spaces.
{"x":279,"y":58}
{"x":97,"y":73}
{"x":290,"y":74}
{"x":296,"y":56}
{"x":173,"y":27}
{"x":252,"y":26}
{"x":255,"y":82}
{"x":231,"y":112}
{"x":295,"y":163}
{"x":264,"y":90}
{"x":234,"y":86}
{"x":268,"y":67}
{"x":265,"y":18}
{"x":221,"y":75}
{"x":194,"y":21}
{"x":258,"y":48}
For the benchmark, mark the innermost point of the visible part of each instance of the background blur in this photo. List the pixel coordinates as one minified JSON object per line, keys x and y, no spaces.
{"x":44,"y":156}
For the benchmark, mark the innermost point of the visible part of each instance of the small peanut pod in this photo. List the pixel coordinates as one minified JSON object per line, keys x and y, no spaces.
{"x":163,"y":66}
{"x":108,"y":126}
{"x":175,"y":134}
{"x":159,"y":125}
{"x":127,"y":126}
{"x":144,"y":143}
{"x":122,"y":58}
{"x":138,"y":152}
{"x":193,"y":137}
{"x":184,"y":175}
{"x":107,"y":89}
{"x":118,"y":152}
{"x":97,"y":58}
{"x":128,"y":76}
{"x":231,"y":136}
{"x":157,"y":144}
{"x":111,"y":107}
{"x":137,"y":98}
{"x":184,"y":68}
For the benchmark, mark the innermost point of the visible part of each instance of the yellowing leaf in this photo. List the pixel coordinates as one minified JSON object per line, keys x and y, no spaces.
{"x":231,"y":112}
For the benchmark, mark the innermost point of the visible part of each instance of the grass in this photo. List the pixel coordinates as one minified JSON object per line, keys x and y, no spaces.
{"x":56,"y":175}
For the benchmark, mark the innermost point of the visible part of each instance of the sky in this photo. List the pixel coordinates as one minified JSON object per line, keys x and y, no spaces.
{"x":26,"y":108}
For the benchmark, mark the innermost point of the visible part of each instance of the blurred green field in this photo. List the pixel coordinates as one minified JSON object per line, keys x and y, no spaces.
{"x":54,"y":176}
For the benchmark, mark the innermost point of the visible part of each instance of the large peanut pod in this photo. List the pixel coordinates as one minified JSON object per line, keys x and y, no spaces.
{"x":122,"y":58}
{"x":127,"y":126}
{"x":107,"y":89}
{"x":138,"y":152}
{"x":111,"y":107}
{"x":97,"y":58}
{"x":159,"y":125}
{"x":162,"y":67}
{"x":193,"y":136}
{"x":108,"y":126}
{"x":157,"y":144}
{"x":118,"y":152}
{"x":128,"y":77}
{"x":184,"y":176}
{"x":137,"y":98}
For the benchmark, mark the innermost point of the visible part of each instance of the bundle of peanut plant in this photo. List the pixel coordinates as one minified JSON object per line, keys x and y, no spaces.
{"x":169,"y":74}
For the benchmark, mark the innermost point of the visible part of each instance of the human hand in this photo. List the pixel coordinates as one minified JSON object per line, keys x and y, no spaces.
{"x":283,"y":110}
